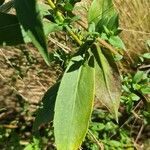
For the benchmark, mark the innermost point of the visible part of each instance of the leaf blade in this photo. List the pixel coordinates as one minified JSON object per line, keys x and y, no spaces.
{"x":9,"y":25}
{"x":69,"y":113}
{"x":108,"y":84}
{"x":100,"y":9}
{"x":45,"y":113}
{"x":29,"y":16}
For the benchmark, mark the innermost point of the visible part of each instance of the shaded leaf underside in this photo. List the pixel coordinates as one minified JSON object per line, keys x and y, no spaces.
{"x":108,"y":84}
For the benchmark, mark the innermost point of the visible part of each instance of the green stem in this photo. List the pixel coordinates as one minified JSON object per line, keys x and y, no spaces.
{"x":73,"y":35}
{"x":61,"y":18}
{"x":52,"y":5}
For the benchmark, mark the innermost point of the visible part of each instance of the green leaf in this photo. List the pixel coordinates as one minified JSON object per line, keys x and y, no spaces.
{"x":134,"y":97}
{"x":91,"y":27}
{"x":100,"y":9}
{"x":50,"y":27}
{"x":10,"y":25}
{"x":104,"y":36}
{"x":10,"y":31}
{"x":74,"y":104}
{"x":138,"y":76}
{"x":68,"y":7}
{"x":45,"y":113}
{"x":44,"y":8}
{"x":145,"y":89}
{"x":116,"y":42}
{"x":113,"y":23}
{"x":146,"y":55}
{"x":107,"y":79}
{"x":114,"y":143}
{"x":95,"y":11}
{"x":29,"y":16}
{"x":35,"y":145}
{"x":103,"y":14}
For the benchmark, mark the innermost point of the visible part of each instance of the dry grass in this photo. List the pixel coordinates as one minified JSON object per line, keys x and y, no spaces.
{"x":135,"y":23}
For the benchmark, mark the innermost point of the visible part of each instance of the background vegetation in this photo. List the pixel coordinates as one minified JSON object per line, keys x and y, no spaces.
{"x":25,"y":77}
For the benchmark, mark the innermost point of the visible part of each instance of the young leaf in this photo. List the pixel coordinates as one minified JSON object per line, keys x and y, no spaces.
{"x":100,"y":9}
{"x":138,"y":76}
{"x":113,"y":23}
{"x":116,"y":42}
{"x":29,"y":17}
{"x":145,"y":89}
{"x":108,"y":85}
{"x":45,"y":113}
{"x":74,"y":104}
{"x":146,"y":55}
{"x":50,"y":27}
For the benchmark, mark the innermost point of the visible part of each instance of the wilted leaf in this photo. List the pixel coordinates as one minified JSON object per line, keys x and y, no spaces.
{"x":74,"y":104}
{"x":107,"y":79}
{"x":29,"y":16}
{"x":45,"y":113}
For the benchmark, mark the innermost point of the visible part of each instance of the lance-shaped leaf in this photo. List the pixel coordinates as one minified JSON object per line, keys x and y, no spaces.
{"x":107,"y":79}
{"x":11,"y":33}
{"x":45,"y":112}
{"x":29,"y":16}
{"x":100,"y":9}
{"x":74,"y":104}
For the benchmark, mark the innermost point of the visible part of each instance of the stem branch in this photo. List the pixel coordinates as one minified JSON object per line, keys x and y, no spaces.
{"x":61,"y":19}
{"x":73,"y":35}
